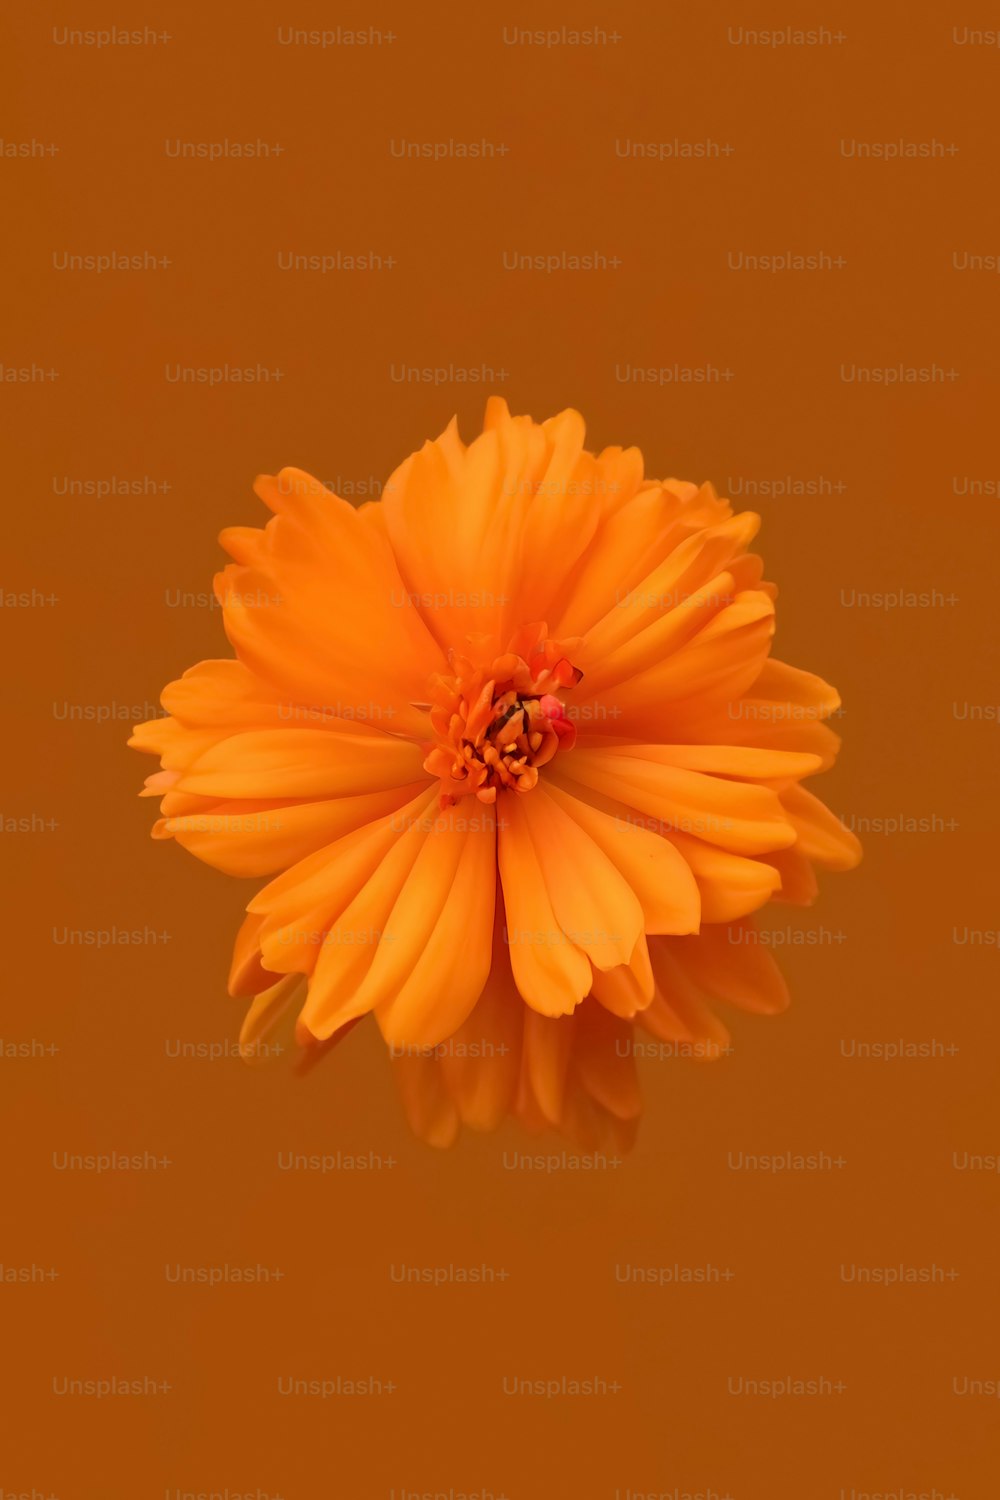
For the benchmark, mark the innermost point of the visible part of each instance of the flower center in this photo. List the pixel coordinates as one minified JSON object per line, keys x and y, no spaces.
{"x":498,"y":724}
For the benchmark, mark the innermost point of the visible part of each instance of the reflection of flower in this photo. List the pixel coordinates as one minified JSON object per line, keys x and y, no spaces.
{"x":515,"y":726}
{"x":577,"y":1074}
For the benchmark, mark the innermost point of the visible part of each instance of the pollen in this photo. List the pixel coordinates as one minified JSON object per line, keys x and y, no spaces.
{"x":497,"y":724}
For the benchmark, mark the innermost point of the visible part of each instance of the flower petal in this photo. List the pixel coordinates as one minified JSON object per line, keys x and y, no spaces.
{"x":305,"y":607}
{"x":551,"y":973}
{"x":745,"y":762}
{"x":730,"y":885}
{"x":265,"y":1015}
{"x":548,"y":1044}
{"x":254,"y":838}
{"x":424,"y":985}
{"x":820,"y":835}
{"x":729,"y":963}
{"x":299,"y":907}
{"x":429,"y":1107}
{"x":303,"y":763}
{"x":595,"y":907}
{"x":745,"y":819}
{"x":605,"y":1062}
{"x":639,"y":530}
{"x":680,"y":1001}
{"x":681,"y":576}
{"x":414,"y":943}
{"x":628,"y":988}
{"x":652,"y":866}
{"x":475,"y":529}
{"x":481,"y":1062}
{"x":713,"y":667}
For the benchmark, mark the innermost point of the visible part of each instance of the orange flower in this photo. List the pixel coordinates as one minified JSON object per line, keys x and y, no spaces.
{"x":528,"y":693}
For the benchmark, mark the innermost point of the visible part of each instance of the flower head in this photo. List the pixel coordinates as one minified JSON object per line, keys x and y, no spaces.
{"x":514,"y":728}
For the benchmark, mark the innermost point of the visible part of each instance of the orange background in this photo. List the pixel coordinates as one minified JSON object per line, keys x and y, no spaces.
{"x":893,"y":462}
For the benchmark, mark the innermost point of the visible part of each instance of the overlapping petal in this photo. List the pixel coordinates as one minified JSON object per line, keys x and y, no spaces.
{"x":512,"y":746}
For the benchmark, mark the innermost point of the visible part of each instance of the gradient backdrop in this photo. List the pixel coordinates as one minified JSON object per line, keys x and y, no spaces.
{"x":851,"y":398}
